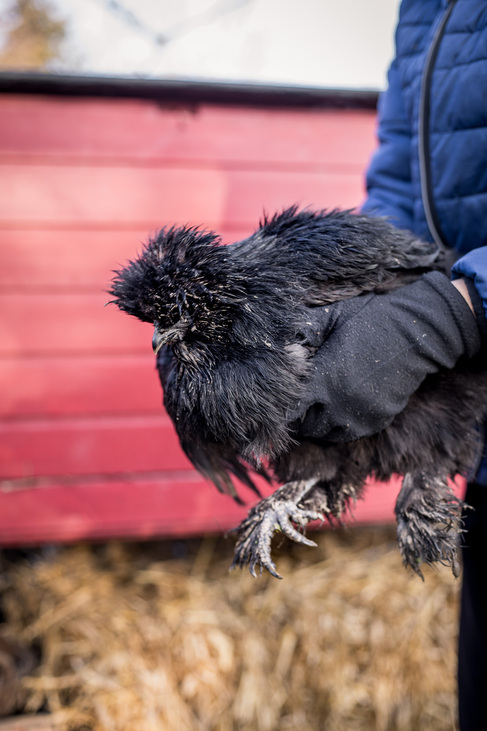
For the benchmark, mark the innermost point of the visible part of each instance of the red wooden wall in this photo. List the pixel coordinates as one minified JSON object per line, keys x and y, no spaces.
{"x":85,"y":449}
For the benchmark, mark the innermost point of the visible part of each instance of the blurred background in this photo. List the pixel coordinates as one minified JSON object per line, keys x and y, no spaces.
{"x":316,"y":42}
{"x":117,"y":608}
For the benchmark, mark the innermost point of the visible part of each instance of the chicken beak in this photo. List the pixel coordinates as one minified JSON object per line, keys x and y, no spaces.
{"x":172,"y":335}
{"x":158,"y":339}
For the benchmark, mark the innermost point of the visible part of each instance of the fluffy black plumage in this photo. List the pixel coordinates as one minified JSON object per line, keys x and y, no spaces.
{"x":232,"y":365}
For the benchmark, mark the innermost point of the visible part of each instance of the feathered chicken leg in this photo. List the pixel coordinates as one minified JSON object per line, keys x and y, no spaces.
{"x":428,"y":521}
{"x":273,"y":514}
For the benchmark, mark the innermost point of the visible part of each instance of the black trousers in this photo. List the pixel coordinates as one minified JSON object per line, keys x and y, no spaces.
{"x":472,"y":648}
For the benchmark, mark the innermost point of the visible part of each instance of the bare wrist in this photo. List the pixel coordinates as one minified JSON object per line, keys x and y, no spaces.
{"x":461,"y":285}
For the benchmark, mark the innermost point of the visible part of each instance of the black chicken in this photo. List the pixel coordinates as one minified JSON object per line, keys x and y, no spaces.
{"x":233,"y":363}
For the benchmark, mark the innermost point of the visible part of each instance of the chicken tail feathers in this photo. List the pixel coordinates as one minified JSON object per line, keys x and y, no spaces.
{"x":217,"y":462}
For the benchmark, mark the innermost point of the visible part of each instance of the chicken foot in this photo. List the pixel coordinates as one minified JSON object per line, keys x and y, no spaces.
{"x":428,"y":521}
{"x":274,"y":514}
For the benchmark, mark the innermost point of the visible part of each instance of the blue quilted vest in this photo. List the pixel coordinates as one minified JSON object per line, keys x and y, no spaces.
{"x":429,"y":173}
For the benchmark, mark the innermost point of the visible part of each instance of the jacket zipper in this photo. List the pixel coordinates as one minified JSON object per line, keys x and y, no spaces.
{"x":424,"y":132}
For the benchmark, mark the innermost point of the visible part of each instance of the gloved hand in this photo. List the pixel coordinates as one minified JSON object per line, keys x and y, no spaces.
{"x":375,"y":350}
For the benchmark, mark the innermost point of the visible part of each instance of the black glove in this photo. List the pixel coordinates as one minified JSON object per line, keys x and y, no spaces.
{"x":375,"y":350}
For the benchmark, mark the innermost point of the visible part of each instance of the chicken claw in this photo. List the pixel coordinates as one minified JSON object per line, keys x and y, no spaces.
{"x":271,"y":515}
{"x":429,"y":522}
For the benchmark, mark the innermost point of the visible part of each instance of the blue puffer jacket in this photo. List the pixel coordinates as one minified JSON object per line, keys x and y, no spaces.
{"x":429,"y":173}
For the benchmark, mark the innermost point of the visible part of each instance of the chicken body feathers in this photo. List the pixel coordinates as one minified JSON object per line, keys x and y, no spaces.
{"x":238,"y":368}
{"x":235,"y":362}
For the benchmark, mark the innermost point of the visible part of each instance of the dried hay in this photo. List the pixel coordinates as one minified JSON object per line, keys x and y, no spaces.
{"x":132,"y":640}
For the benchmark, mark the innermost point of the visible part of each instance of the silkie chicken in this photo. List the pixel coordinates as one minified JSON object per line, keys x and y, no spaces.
{"x":233,"y":363}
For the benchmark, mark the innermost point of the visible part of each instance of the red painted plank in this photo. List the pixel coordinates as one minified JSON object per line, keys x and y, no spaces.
{"x":144,"y":130}
{"x":251,"y":193}
{"x":64,"y":258}
{"x":75,"y":386}
{"x":63,"y":323}
{"x":152,"y":197}
{"x":74,"y":259}
{"x":119,"y":195}
{"x":108,"y":172}
{"x":99,"y":445}
{"x":144,"y":508}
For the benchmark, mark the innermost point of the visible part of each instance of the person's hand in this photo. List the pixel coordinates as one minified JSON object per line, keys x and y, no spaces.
{"x":373,"y":352}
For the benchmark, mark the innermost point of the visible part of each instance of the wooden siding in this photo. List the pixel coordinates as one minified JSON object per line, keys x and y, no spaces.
{"x":86,"y":450}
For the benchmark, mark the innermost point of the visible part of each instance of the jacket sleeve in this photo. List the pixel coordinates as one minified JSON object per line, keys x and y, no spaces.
{"x":473,"y":266}
{"x":388,"y":179}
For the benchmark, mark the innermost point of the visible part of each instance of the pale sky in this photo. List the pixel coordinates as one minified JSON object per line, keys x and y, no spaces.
{"x":328,"y":43}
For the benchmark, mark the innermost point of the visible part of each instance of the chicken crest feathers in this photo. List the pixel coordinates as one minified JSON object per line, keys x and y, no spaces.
{"x":171,"y":274}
